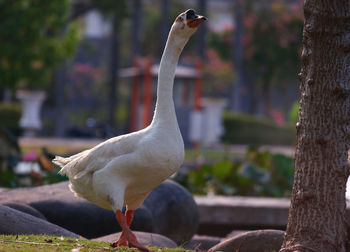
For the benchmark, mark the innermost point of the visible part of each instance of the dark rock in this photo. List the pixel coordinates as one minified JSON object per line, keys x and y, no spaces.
{"x":89,"y":220}
{"x":26,"y":209}
{"x":236,"y":232}
{"x":202,"y":242}
{"x":175,"y":213}
{"x":59,"y":206}
{"x":15,"y":222}
{"x":169,"y":210}
{"x":147,"y":239}
{"x":253,"y":241}
{"x":80,"y":217}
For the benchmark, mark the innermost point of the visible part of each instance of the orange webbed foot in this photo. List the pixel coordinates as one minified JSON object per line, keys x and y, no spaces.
{"x":127,"y":237}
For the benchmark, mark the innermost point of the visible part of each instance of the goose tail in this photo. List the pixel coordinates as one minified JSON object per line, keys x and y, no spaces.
{"x":70,"y":165}
{"x":61,"y":162}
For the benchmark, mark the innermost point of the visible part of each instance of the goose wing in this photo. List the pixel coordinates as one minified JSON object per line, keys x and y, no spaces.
{"x":94,"y":159}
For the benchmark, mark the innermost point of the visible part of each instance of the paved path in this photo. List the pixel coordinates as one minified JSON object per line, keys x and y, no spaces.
{"x":78,"y":143}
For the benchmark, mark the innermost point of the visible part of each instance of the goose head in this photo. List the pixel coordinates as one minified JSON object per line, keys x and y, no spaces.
{"x":187,"y":23}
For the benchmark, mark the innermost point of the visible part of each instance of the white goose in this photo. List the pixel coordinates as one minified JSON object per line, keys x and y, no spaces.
{"x":123,"y":170}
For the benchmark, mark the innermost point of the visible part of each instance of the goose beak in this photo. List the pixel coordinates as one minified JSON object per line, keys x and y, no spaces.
{"x":194,"y":23}
{"x":193,"y":20}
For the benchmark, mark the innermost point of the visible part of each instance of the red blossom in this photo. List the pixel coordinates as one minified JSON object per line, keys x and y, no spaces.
{"x":277,"y":116}
{"x":286,"y":17}
{"x":87,"y":69}
{"x":248,"y":52}
{"x":249,"y":21}
{"x":277,"y":24}
{"x":30,"y":156}
{"x":246,"y":39}
{"x":283,"y":42}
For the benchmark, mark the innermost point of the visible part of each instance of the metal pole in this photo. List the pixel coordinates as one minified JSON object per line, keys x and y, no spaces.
{"x":59,"y":97}
{"x":135,"y":96}
{"x":113,"y":75}
{"x":136,"y":24}
{"x":164,"y":26}
{"x":147,"y":93}
{"x":237,"y":56}
{"x":198,"y":87}
{"x":202,"y":31}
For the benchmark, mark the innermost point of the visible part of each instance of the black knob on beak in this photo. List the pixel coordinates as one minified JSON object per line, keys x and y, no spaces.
{"x":190,"y":14}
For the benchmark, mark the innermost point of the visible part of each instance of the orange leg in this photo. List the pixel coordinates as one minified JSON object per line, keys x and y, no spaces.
{"x":122,"y":241}
{"x":129,"y":216}
{"x":127,"y":237}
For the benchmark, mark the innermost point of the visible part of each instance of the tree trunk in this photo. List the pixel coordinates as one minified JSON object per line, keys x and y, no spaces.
{"x":266,"y":97}
{"x":316,"y":219}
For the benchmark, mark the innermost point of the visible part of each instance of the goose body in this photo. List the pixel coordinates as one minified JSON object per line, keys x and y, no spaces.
{"x":123,"y":170}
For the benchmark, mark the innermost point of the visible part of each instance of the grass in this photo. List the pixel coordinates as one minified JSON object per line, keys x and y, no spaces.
{"x":34,"y":243}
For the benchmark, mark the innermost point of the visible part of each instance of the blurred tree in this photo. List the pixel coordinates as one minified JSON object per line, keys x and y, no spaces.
{"x":317,"y":216}
{"x":35,"y":38}
{"x":270,"y":43}
{"x":217,"y":74}
{"x":117,"y":11}
{"x":112,"y":8}
{"x":293,"y":114}
{"x":240,"y":93}
{"x":156,"y":26}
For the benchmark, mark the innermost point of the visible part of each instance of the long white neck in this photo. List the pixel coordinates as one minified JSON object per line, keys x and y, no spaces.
{"x":165,"y":110}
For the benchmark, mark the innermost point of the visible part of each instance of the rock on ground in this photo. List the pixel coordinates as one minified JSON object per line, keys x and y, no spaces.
{"x":147,"y":239}
{"x":169,"y":210}
{"x":26,"y":209}
{"x":175,"y":213}
{"x":236,"y":232}
{"x":253,"y":241}
{"x":59,"y":206}
{"x":202,"y":242}
{"x":15,"y":222}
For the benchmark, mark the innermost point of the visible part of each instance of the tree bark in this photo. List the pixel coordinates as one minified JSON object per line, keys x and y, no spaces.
{"x":316,"y":219}
{"x":266,"y":97}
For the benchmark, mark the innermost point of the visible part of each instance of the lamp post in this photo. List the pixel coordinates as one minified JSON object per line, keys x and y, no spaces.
{"x":240,"y":92}
{"x":113,"y":74}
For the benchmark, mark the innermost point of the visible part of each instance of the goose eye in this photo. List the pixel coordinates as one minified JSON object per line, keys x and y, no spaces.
{"x":179,"y":19}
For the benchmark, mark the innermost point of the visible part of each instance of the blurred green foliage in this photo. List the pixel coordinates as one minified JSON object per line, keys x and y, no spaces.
{"x":53,"y":177}
{"x":10,"y":114}
{"x":294,"y":113}
{"x":112,"y":9}
{"x":259,"y":173}
{"x":35,"y":38}
{"x":271,"y":40}
{"x":152,"y":21}
{"x":249,"y":129}
{"x":9,"y":157}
